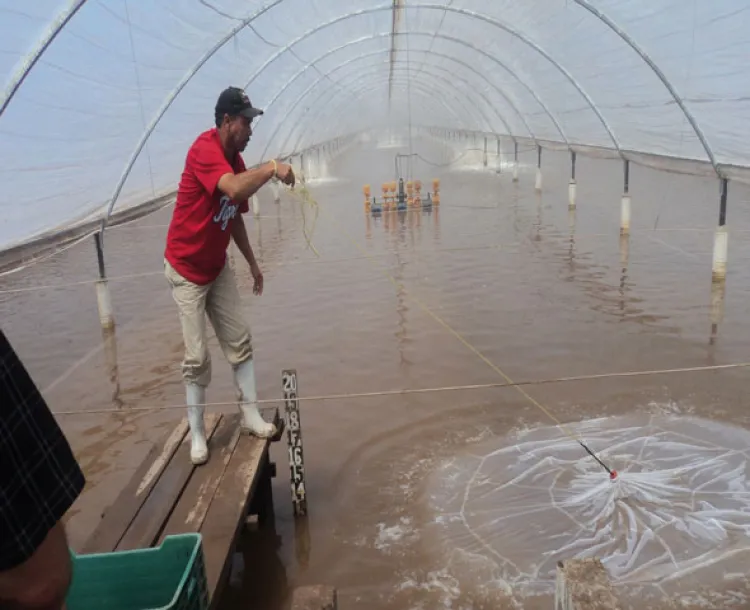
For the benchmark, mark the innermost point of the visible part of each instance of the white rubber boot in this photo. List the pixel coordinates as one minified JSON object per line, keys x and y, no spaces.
{"x":252,"y":420}
{"x":196,"y":398}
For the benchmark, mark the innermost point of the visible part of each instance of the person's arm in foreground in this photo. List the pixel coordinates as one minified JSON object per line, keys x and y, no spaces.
{"x":245,"y":184}
{"x":39,"y":481}
{"x":239,"y":235}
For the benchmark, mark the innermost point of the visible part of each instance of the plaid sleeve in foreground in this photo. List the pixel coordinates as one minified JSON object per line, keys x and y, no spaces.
{"x":39,"y":476}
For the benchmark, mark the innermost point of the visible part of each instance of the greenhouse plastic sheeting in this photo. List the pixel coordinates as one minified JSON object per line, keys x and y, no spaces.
{"x":90,"y":86}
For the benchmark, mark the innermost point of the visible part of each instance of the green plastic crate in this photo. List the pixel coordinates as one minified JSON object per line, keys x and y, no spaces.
{"x":169,"y":577}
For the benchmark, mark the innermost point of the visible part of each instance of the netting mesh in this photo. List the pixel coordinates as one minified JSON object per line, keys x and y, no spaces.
{"x":103,"y":92}
{"x":674,"y":519}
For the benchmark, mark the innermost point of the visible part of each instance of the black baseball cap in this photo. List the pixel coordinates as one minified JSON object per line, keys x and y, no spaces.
{"x":234,"y":101}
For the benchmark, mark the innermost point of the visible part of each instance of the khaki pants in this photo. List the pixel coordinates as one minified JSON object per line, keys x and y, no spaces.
{"x":220,"y":300}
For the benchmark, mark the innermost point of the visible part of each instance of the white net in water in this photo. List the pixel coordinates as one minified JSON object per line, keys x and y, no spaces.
{"x":675,"y":518}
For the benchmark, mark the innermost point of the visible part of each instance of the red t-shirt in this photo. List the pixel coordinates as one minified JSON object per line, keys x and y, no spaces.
{"x":201,"y":225}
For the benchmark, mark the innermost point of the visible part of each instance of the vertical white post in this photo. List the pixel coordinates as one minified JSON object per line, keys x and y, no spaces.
{"x":103,"y":297}
{"x":104,"y":301}
{"x":515,"y":161}
{"x":721,"y":238}
{"x":625,"y":203}
{"x":572,"y":183}
{"x":538,"y":182}
{"x":721,"y":251}
{"x":256,"y":205}
{"x":625,"y":215}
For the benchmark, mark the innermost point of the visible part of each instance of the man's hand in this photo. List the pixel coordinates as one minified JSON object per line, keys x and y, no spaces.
{"x":257,"y":277}
{"x":285,"y":173}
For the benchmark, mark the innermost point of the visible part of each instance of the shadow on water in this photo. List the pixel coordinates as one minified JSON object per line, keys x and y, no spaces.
{"x":258,"y":575}
{"x":261,"y":571}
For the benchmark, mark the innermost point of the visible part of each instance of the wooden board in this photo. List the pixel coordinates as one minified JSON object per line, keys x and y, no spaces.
{"x":168,"y":495}
{"x":117,"y":518}
{"x":191,"y":508}
{"x":226,"y":515}
{"x":145,"y":529}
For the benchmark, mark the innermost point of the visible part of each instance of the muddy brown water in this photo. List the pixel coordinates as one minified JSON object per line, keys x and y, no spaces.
{"x":539,"y":291}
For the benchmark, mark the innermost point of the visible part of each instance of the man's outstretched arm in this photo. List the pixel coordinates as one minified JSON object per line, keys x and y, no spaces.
{"x":245,"y":184}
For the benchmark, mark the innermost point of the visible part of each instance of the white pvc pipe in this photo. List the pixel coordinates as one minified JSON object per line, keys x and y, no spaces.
{"x":104,"y":302}
{"x":515,"y":172}
{"x":538,"y":182}
{"x":572,"y":194}
{"x":625,"y":215}
{"x":276,"y":190}
{"x":256,"y":205}
{"x":721,"y":251}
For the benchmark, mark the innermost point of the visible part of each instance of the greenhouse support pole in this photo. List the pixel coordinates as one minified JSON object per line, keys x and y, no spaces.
{"x":625,"y":203}
{"x":572,"y":183}
{"x":721,"y":239}
{"x":103,"y":297}
{"x":515,"y":161}
{"x":538,"y":183}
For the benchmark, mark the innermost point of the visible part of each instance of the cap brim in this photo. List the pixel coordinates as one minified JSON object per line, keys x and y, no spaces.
{"x":251,"y":113}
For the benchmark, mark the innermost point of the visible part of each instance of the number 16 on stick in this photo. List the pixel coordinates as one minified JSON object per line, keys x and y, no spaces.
{"x":294,"y":437}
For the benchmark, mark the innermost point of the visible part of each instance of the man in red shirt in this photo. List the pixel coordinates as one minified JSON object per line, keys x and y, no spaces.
{"x":211,"y":198}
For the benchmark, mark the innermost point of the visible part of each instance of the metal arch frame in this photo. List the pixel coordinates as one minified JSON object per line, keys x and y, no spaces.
{"x":450,"y":87}
{"x":352,"y":60}
{"x":248,"y":20}
{"x":662,"y":77}
{"x":187,"y":77}
{"x":431,"y":93}
{"x":320,"y":109}
{"x":66,"y":15}
{"x":464,"y":100}
{"x":321,"y":94}
{"x":366,"y":88}
{"x":432,"y":53}
{"x":472,"y":14}
{"x":35,"y":55}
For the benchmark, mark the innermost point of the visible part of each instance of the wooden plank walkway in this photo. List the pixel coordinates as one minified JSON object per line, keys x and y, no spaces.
{"x":168,"y":495}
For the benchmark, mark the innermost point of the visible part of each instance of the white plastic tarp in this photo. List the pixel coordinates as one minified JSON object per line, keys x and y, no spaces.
{"x":103,"y":73}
